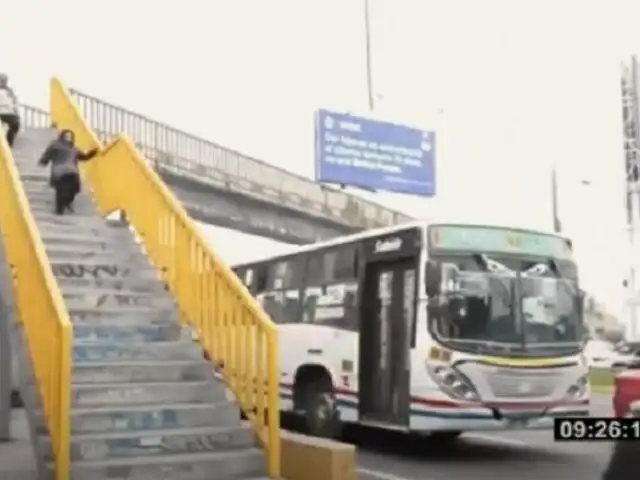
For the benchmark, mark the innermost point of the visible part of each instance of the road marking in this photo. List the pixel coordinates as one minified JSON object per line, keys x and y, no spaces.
{"x":510,"y":442}
{"x":383,"y":475}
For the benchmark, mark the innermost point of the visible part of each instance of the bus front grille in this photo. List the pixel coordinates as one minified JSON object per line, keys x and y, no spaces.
{"x":519,"y":385}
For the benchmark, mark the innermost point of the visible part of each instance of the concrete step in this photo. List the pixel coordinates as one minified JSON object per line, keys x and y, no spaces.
{"x":108,"y":233}
{"x":101,"y":266}
{"x":42,"y":191}
{"x":122,"y":256}
{"x":36,"y":186}
{"x":113,"y":234}
{"x":133,"y":284}
{"x":94,"y":351}
{"x":142,"y":443}
{"x":34,"y":176}
{"x":129,"y":332}
{"x":84,"y":241}
{"x":123,"y":315}
{"x":142,"y":371}
{"x":121,"y":394}
{"x":234,"y":465}
{"x":45,"y":204}
{"x":77,"y":223}
{"x":151,"y":417}
{"x":89,"y":219}
{"x":102,"y":297}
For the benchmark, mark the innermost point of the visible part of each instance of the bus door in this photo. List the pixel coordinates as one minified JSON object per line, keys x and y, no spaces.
{"x":387,"y":318}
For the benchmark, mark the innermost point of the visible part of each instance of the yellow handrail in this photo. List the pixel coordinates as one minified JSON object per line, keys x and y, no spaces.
{"x":239,"y":337}
{"x":41,"y":310}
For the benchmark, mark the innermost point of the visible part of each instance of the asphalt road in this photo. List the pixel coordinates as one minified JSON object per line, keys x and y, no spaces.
{"x":525,"y":455}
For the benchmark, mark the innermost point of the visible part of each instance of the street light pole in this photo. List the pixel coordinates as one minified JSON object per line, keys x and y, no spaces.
{"x":367,"y":46}
{"x":555,"y":213}
{"x":557,"y":225}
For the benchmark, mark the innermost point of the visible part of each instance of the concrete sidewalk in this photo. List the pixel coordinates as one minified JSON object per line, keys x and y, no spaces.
{"x":16,"y":456}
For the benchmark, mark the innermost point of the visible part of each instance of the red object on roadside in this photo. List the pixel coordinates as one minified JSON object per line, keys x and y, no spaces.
{"x":627,"y":390}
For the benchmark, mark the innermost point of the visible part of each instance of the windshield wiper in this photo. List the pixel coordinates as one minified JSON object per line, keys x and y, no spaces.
{"x":489,"y":265}
{"x":551,"y":266}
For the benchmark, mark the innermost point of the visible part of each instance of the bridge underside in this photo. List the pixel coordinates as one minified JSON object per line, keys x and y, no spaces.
{"x":226,"y":209}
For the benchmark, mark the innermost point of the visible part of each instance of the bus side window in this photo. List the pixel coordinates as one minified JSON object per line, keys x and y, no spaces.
{"x":330,"y":296}
{"x":346,"y":264}
{"x":283,"y":287}
{"x":282,"y":275}
{"x":261,"y":279}
{"x":239,"y":271}
{"x":315,"y":270}
{"x":248,"y":279}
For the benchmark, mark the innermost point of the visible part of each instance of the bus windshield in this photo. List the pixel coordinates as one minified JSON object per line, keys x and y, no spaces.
{"x":506,"y":304}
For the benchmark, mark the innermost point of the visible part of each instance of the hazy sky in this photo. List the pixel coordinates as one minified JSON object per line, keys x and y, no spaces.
{"x":521,"y":85}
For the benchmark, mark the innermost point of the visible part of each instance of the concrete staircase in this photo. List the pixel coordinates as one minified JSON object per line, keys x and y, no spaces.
{"x":145,"y":404}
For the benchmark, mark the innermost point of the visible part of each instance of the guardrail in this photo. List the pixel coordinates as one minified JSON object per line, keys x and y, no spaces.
{"x":33,"y":117}
{"x":47,"y":328}
{"x":239,"y":337}
{"x":206,"y":162}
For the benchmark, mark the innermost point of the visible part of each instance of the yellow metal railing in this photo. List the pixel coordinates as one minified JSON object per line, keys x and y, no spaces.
{"x":45,"y":321}
{"x":236,"y":333}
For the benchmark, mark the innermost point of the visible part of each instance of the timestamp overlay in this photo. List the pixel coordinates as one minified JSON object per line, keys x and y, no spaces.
{"x":606,"y":429}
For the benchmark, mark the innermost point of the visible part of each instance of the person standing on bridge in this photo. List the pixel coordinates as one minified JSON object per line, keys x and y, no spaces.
{"x":64,"y":156}
{"x":9,"y":109}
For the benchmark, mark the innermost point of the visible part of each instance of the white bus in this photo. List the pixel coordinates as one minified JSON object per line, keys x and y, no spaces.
{"x":435,"y":328}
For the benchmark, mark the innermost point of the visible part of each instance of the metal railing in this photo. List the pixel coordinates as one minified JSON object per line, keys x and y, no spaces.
{"x":188,"y":156}
{"x":33,"y":117}
{"x":239,"y":337}
{"x":46,"y":325}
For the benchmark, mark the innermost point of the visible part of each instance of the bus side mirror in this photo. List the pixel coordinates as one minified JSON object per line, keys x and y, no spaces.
{"x":433,"y":279}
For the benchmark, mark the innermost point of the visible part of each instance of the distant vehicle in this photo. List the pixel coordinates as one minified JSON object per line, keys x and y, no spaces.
{"x":602,"y":354}
{"x":436,"y":328}
{"x":599,"y":353}
{"x":626,"y":355}
{"x":626,"y":391}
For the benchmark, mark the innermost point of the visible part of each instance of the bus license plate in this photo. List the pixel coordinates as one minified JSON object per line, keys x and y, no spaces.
{"x":517,"y":423}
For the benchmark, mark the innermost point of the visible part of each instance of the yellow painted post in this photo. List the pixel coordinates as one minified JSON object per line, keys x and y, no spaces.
{"x":63,"y":460}
{"x":273,"y":389}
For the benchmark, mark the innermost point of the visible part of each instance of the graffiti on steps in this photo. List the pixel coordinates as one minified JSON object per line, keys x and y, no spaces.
{"x":112,"y":299}
{"x":105,"y":395}
{"x":139,"y":375}
{"x":133,"y":421}
{"x":159,"y":444}
{"x":115,"y":352}
{"x":75,"y":254}
{"x":71,"y":270}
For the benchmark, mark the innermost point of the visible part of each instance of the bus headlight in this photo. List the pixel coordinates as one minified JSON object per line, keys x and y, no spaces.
{"x":578,"y":390}
{"x":453,"y":383}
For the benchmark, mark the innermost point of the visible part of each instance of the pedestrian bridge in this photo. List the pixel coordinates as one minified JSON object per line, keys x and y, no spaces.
{"x":224,"y":187}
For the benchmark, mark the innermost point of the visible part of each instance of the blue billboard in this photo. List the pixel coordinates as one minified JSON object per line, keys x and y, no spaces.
{"x":374,"y":155}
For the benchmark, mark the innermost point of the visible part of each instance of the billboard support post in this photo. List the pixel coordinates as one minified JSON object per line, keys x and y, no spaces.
{"x":367,"y":46}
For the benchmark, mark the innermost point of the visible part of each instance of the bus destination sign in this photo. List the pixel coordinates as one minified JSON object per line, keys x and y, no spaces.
{"x":495,"y":239}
